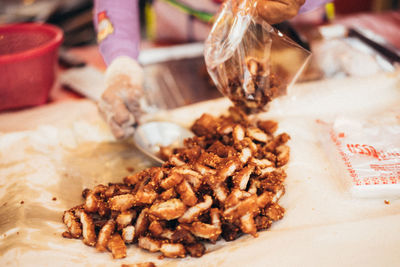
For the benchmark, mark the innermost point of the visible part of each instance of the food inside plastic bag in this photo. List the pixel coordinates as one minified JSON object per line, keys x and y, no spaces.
{"x":248,"y":60}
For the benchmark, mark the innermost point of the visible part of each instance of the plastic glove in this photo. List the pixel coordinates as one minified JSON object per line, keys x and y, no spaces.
{"x":276,"y":11}
{"x":121,"y":102}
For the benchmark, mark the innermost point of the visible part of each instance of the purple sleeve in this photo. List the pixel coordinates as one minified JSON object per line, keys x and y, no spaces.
{"x":313,"y":4}
{"x":124,"y":39}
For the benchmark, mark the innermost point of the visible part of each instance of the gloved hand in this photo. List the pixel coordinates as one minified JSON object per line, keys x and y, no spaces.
{"x":276,"y":11}
{"x":121,"y":103}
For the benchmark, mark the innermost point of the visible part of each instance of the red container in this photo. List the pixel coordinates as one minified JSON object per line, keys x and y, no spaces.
{"x":28,"y":63}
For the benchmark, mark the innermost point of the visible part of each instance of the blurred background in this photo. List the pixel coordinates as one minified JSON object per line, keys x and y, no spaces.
{"x":75,"y":16}
{"x":347,"y":38}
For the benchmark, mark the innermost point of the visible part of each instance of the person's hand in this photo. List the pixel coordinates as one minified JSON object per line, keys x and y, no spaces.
{"x":276,"y":11}
{"x":120,"y":104}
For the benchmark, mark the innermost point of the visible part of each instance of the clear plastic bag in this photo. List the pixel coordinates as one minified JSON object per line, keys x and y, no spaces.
{"x":249,"y":61}
{"x":365,"y":153}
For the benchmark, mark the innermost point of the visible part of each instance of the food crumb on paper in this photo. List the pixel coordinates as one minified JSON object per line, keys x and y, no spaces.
{"x":144,"y":264}
{"x":130,"y":169}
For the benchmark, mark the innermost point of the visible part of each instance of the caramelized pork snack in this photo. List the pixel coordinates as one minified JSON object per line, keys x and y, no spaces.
{"x":226,"y":181}
{"x":260,"y":90}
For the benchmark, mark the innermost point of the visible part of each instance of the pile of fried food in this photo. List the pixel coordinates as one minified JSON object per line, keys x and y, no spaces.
{"x":224,"y":182}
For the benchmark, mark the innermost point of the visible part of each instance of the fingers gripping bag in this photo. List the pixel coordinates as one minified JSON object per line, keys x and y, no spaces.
{"x":249,"y":61}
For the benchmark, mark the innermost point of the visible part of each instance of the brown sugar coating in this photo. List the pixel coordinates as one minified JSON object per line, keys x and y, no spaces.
{"x":224,"y":182}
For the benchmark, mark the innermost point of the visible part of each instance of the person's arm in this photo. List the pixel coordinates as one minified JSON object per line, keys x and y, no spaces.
{"x":118,"y":36}
{"x":276,"y":11}
{"x":310,"y":5}
{"x":118,"y":29}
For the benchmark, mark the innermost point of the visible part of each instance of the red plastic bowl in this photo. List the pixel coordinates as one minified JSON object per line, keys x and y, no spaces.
{"x":28,"y":63}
